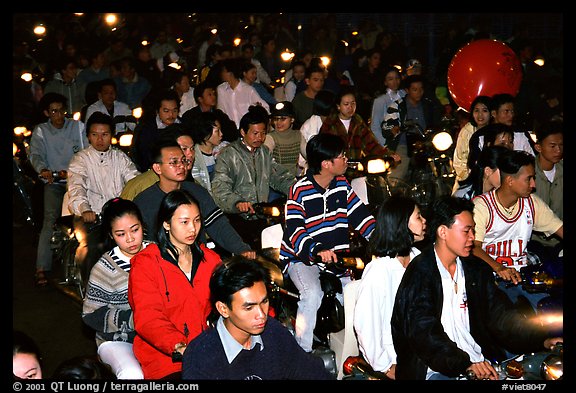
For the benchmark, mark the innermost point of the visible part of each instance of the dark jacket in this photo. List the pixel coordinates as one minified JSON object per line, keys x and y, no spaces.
{"x":418,"y":335}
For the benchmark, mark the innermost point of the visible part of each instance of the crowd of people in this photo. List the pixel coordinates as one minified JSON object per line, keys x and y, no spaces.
{"x":174,"y":291}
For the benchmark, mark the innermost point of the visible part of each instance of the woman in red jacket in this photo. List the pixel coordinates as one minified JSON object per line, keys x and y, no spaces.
{"x":168,"y":288}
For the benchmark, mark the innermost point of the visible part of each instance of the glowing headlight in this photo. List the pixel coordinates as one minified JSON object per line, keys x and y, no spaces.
{"x":442,"y":141}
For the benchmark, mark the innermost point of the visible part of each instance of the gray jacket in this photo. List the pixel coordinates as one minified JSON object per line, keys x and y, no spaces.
{"x":245,"y":176}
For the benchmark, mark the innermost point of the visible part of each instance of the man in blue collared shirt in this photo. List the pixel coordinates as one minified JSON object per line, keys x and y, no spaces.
{"x":246,"y":344}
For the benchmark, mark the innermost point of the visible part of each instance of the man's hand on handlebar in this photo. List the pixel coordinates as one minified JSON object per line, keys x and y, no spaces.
{"x":482,"y":370}
{"x":327,"y":256}
{"x":245,"y":207}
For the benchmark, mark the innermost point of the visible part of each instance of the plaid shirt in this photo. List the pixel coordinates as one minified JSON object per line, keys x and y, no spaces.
{"x":360,"y":140}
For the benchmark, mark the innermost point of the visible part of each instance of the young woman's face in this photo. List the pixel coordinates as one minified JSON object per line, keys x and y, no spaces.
{"x":347,"y":106}
{"x":26,"y":366}
{"x":216,"y":136}
{"x":417,"y":224}
{"x":128,"y":233}
{"x":505,"y":139}
{"x":298,"y":72}
{"x":481,"y":114}
{"x":392,"y":80}
{"x":282,"y":123}
{"x":184,"y":225}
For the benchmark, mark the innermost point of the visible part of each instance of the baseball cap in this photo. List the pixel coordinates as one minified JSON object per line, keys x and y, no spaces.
{"x":283,"y":108}
{"x":412,"y":63}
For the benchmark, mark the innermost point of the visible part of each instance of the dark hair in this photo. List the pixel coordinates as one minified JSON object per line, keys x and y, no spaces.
{"x":172,"y":201}
{"x":200,"y":88}
{"x":164,"y":141}
{"x":500,"y":99}
{"x":323,"y":147}
{"x":511,"y":161}
{"x":50,"y":98}
{"x":100,"y":118}
{"x":312,"y":68}
{"x":23,"y":343}
{"x":233,"y":65}
{"x":479,"y":100}
{"x":444,"y":210}
{"x":256,"y":114}
{"x":83,"y":367}
{"x":202,"y":125}
{"x":550,"y":127}
{"x":234,"y":274}
{"x":488,"y":158}
{"x":410,"y":79}
{"x":392,"y":237}
{"x":106,"y":82}
{"x":114,"y":209}
{"x":489,"y":132}
{"x":323,"y":103}
{"x":345,"y":90}
{"x":166,"y":95}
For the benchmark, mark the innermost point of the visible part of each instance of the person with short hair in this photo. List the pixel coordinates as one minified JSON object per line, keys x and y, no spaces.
{"x":505,"y":219}
{"x":320,"y":208}
{"x":53,"y":144}
{"x":246,"y":343}
{"x":449,"y":317}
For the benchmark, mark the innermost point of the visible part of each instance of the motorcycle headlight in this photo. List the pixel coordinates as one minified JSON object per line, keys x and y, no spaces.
{"x":442,"y":141}
{"x":553,"y":368}
{"x":125,"y":140}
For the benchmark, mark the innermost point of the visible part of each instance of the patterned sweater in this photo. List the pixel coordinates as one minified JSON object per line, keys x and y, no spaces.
{"x":319,"y":219}
{"x":105,"y":308}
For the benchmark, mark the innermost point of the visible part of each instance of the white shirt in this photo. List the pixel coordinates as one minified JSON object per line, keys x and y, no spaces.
{"x":373,"y":310}
{"x":235,"y":102}
{"x":455,"y":318}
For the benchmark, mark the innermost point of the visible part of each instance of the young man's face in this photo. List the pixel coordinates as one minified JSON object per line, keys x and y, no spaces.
{"x":100,"y":136}
{"x":108,"y":95}
{"x":208,"y":98}
{"x":173,"y":166}
{"x":459,"y":236}
{"x":504,"y":114}
{"x":524,"y":182}
{"x":56,"y":112}
{"x":316,"y":81}
{"x":551,"y":149}
{"x":248,"y":312}
{"x":415,"y":91}
{"x":338,"y":165}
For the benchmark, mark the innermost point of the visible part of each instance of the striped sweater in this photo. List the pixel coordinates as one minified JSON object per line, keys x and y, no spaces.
{"x":105,"y":308}
{"x":319,"y":219}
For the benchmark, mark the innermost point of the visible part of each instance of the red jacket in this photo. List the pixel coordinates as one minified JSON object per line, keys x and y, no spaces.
{"x":167,"y":308}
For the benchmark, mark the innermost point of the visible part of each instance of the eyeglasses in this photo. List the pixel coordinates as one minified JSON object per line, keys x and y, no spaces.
{"x":55,"y":111}
{"x":175,"y":163}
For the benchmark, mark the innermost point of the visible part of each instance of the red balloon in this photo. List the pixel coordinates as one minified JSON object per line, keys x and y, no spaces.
{"x":483,"y":67}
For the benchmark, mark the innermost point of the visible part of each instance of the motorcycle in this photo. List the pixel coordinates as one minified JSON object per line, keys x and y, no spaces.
{"x":537,"y":366}
{"x":430,"y":166}
{"x":69,"y":244}
{"x":24,"y":181}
